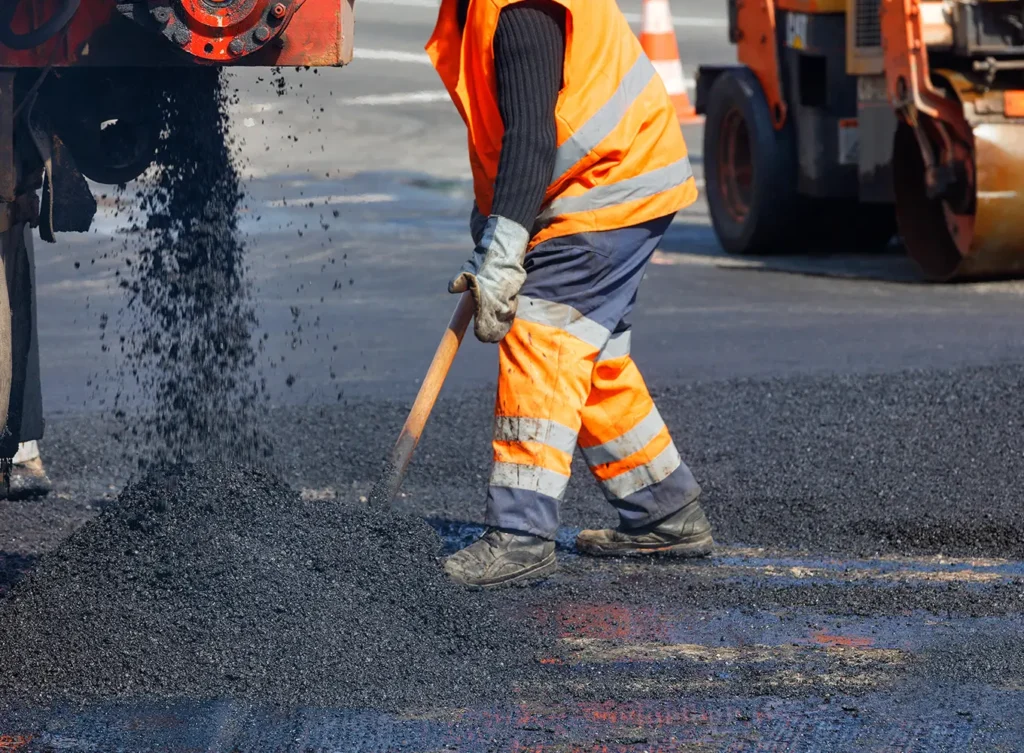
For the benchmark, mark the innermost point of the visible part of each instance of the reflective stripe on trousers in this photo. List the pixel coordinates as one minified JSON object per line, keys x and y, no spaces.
{"x":566,"y":379}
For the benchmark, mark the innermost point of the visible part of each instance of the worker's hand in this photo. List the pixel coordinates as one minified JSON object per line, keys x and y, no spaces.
{"x":495,"y":275}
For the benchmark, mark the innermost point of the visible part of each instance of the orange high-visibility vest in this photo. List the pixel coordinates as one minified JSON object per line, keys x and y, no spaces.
{"x":621,"y":156}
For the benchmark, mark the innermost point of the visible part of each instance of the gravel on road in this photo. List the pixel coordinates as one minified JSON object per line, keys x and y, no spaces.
{"x":212,"y":581}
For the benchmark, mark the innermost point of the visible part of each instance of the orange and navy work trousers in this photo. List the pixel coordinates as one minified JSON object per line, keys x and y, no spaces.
{"x":566,"y":380}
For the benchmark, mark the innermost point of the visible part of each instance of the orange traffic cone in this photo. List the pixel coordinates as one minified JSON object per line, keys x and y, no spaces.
{"x":658,"y":38}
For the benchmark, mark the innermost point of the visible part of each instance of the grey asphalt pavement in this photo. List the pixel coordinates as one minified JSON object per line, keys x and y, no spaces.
{"x":857,"y":434}
{"x":358,"y":177}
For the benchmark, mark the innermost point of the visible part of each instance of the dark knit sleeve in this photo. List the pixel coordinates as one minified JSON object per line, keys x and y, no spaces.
{"x":529,"y":52}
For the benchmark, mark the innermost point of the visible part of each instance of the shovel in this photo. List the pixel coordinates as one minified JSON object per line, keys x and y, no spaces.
{"x":390,"y":480}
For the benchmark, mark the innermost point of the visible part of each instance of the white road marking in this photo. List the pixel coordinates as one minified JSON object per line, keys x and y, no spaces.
{"x":704,"y":22}
{"x":400,"y":98}
{"x":392,"y":56}
{"x":408,"y":3}
{"x":254,"y":108}
{"x":361,"y":198}
{"x":673,"y":259}
{"x":700,"y":22}
{"x":395,"y":55}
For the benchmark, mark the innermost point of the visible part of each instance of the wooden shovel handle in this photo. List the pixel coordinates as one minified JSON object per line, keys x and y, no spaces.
{"x":390,"y":481}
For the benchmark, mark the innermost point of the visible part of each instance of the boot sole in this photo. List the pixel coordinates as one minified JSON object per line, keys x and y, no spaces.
{"x":541,"y":570}
{"x":701,"y":547}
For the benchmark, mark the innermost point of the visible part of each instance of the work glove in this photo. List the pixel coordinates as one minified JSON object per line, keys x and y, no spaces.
{"x":494,"y":275}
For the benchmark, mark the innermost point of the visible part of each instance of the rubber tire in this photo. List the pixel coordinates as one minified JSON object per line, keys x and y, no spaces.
{"x":772,"y":224}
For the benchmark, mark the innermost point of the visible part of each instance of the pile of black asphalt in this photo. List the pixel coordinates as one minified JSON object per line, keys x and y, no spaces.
{"x":218,"y":581}
{"x":207,"y":580}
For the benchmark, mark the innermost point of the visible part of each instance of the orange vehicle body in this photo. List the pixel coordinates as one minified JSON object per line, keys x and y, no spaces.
{"x":757,"y":48}
{"x":952,"y":77}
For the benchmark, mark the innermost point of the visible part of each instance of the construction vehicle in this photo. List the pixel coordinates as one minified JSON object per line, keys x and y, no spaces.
{"x":76,"y":104}
{"x":847,"y":122}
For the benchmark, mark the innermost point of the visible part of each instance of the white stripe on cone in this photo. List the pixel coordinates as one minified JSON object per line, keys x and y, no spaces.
{"x":671,"y":72}
{"x":657,"y":17}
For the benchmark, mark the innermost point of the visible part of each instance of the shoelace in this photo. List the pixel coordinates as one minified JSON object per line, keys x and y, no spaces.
{"x":492,"y":537}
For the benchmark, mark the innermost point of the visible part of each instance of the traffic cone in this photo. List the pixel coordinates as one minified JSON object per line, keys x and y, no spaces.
{"x":658,"y":38}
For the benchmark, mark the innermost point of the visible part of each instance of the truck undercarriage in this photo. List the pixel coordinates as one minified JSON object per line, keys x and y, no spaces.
{"x":77,"y":104}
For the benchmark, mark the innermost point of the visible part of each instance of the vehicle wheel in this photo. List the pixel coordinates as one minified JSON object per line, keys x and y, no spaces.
{"x":750,"y":170}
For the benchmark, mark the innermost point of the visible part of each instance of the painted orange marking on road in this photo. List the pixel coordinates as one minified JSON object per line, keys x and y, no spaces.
{"x":14,"y":742}
{"x":852,"y":641}
{"x":604,"y":621}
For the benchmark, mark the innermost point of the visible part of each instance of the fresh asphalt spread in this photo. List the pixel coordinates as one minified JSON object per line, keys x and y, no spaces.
{"x":216,"y":581}
{"x":193,"y":565}
{"x":213,"y":579}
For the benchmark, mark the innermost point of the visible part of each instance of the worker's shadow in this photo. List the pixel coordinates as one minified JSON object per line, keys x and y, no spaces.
{"x":14,"y":567}
{"x":458,"y":534}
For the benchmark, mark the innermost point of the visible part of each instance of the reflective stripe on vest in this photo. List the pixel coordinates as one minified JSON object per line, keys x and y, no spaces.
{"x":600,"y":197}
{"x":589,"y":135}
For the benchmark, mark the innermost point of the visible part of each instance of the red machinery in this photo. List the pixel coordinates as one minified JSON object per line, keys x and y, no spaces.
{"x":76,"y":103}
{"x":40,"y":33}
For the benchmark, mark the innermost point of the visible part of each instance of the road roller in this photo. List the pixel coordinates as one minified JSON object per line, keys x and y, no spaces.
{"x":848,"y":124}
{"x":77,"y":108}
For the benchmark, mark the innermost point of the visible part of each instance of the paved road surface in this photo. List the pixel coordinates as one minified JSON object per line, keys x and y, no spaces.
{"x":857,"y":436}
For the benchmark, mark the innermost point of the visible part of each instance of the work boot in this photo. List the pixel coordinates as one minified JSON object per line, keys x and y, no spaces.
{"x":499,"y":558}
{"x":28,"y":475}
{"x":686,"y":533}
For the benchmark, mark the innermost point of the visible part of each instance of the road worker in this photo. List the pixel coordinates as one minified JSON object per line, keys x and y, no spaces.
{"x":28,"y":475}
{"x":579,"y":166}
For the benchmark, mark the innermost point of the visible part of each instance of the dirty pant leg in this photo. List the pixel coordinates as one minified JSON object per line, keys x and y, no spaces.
{"x":578,"y":290}
{"x":32,"y":423}
{"x":628,"y":446}
{"x":543,"y":381}
{"x":25,"y":418}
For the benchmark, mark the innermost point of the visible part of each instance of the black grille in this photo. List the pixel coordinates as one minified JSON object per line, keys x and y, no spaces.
{"x":869,"y":25}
